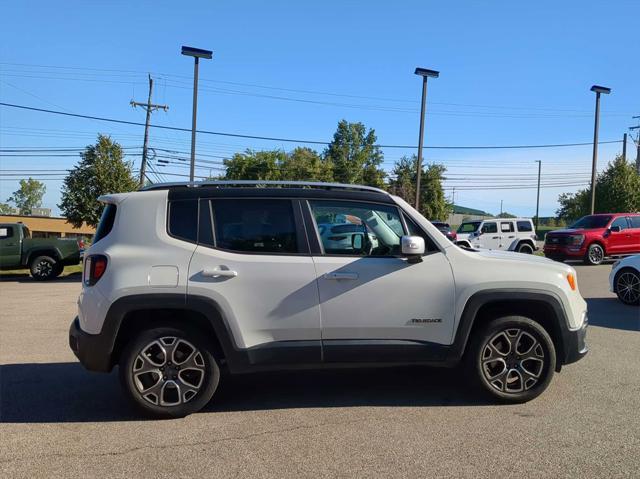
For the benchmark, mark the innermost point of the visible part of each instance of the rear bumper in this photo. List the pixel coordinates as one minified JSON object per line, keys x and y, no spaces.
{"x":92,"y":350}
{"x":575,"y":343}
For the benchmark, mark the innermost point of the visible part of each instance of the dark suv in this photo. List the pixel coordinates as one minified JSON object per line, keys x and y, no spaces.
{"x":594,"y":237}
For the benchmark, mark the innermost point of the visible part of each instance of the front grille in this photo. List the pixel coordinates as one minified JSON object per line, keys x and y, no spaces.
{"x":557,"y":240}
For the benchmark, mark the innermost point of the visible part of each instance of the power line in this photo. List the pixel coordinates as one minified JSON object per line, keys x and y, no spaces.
{"x":292,"y":140}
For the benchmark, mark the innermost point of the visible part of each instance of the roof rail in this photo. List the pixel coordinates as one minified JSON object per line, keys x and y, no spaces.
{"x":261,"y":183}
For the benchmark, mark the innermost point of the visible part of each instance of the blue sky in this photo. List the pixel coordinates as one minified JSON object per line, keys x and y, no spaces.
{"x":511,"y":73}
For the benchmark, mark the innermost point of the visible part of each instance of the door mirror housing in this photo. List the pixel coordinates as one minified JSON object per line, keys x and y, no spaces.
{"x":412,"y":247}
{"x":615,"y":229}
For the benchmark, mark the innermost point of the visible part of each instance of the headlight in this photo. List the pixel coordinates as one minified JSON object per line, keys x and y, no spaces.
{"x":576,"y":240}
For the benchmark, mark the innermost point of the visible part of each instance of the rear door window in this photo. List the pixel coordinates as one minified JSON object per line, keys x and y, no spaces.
{"x":6,"y":232}
{"x":635,"y":221}
{"x":506,"y":226}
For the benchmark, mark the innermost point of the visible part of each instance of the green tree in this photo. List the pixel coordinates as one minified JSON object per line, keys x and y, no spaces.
{"x":433,"y":204}
{"x":505,"y":214}
{"x":354,"y":156}
{"x":305,"y":164}
{"x":101,"y":170}
{"x":5,"y":209}
{"x":28,"y":196}
{"x":254,"y":165}
{"x":617,"y":191}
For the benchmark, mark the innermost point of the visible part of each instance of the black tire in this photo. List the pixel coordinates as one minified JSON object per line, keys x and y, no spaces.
{"x":520,"y":377}
{"x":525,"y":248}
{"x":140,"y":386}
{"x":44,"y":268}
{"x":595,"y":255}
{"x":627,"y":286}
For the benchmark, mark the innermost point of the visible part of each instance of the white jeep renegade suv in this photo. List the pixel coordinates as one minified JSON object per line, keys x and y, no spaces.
{"x":182,"y":281}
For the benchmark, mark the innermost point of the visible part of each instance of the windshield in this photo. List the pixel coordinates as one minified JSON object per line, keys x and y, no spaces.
{"x":591,"y":222}
{"x":468,"y":227}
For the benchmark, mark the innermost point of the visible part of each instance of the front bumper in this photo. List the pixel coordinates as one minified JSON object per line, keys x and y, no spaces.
{"x":92,"y":350}
{"x":575,"y":343}
{"x":563,"y":252}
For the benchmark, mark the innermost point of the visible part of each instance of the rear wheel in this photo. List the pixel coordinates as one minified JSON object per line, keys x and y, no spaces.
{"x":525,"y":248}
{"x":627,"y":286}
{"x":512,"y":359}
{"x":169,"y":372}
{"x":595,"y":255}
{"x":44,"y":267}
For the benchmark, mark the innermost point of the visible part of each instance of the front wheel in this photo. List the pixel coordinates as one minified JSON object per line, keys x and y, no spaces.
{"x":627,"y":286}
{"x":169,"y":372}
{"x":512,"y":359}
{"x":595,"y":255}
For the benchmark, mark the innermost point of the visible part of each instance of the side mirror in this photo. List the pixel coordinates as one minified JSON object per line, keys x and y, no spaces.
{"x":615,"y":229}
{"x":357,"y":241}
{"x":412,"y":247}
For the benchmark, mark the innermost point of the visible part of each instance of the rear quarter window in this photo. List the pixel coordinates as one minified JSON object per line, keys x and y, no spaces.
{"x":635,"y":221}
{"x":106,"y":222}
{"x":183,"y":220}
{"x":524,"y":226}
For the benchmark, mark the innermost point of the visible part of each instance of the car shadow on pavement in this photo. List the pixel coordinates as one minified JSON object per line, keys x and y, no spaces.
{"x":612,"y":313}
{"x":25,"y":278}
{"x":65,"y":392}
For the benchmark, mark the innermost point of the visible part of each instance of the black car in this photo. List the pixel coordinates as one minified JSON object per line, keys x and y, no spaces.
{"x":445,"y":229}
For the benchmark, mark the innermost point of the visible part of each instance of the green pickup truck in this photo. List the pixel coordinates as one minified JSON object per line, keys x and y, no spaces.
{"x":45,"y":257}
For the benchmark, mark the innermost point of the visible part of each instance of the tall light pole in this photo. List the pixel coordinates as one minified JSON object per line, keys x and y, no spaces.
{"x":424,"y":73}
{"x":598,"y":91}
{"x":197,"y":54}
{"x":538,"y":198}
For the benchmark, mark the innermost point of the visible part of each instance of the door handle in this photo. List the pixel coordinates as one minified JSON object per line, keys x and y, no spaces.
{"x":511,"y":237}
{"x":215,"y":273}
{"x":338,"y":276}
{"x":495,"y":237}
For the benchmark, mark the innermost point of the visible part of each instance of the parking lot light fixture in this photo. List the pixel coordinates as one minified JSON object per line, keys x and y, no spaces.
{"x":598,"y":90}
{"x":197,"y":54}
{"x":425,"y":74}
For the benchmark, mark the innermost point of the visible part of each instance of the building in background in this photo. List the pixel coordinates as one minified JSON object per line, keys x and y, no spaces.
{"x":50,"y":227}
{"x":462,"y":213}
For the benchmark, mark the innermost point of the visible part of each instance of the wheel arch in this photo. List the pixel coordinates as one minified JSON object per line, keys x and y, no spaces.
{"x":131,"y":314}
{"x":542,"y":307}
{"x":525,"y":241}
{"x":42,"y":251}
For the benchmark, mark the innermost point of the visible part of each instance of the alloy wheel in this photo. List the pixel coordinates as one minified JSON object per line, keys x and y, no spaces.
{"x":43,"y":269}
{"x":596,"y":255}
{"x":168,"y":371}
{"x":628,"y":287}
{"x":513,"y":360}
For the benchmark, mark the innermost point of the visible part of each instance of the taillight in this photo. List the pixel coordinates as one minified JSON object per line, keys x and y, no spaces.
{"x":80,"y":244}
{"x":94,"y":268}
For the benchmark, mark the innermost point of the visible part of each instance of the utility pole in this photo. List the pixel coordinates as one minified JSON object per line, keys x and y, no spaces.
{"x":538,"y":198}
{"x":501,"y":208}
{"x":624,"y":147}
{"x":637,"y":142}
{"x":598,"y":90}
{"x":149,"y":107}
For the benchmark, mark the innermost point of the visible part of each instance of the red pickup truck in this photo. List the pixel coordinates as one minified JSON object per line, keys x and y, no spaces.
{"x":594,"y":237}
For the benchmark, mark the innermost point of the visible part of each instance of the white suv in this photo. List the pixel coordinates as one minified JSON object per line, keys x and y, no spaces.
{"x":183,"y":281}
{"x":507,"y":234}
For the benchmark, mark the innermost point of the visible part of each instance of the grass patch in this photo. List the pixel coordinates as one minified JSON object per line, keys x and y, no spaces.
{"x":73,"y":269}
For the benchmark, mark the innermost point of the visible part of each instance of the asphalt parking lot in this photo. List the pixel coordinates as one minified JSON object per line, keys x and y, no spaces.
{"x":57,"y":420}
